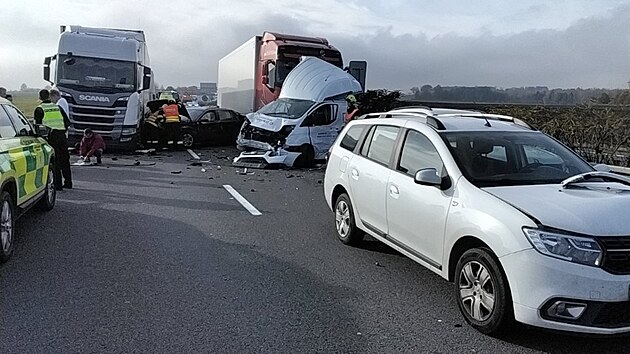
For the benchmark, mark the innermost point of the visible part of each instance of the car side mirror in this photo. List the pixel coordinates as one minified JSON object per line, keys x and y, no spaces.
{"x":428,"y":177}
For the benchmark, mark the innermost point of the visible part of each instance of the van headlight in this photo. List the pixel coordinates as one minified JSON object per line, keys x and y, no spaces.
{"x":576,"y":249}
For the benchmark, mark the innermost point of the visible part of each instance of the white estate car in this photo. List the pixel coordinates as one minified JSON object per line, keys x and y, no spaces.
{"x":524,"y":227}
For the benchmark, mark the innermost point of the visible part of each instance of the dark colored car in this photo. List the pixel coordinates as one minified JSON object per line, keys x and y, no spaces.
{"x":211,"y":126}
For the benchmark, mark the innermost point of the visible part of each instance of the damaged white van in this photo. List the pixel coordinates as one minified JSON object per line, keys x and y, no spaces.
{"x":301,"y":125}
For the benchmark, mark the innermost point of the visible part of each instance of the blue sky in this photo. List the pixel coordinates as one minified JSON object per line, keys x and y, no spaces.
{"x":406,"y":43}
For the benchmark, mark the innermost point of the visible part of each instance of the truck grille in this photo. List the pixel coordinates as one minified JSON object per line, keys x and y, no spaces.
{"x":616,"y":254}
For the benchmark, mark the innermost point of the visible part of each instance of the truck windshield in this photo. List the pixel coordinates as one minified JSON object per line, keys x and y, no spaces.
{"x":287,"y":108}
{"x":283,"y":69}
{"x":99,"y":75}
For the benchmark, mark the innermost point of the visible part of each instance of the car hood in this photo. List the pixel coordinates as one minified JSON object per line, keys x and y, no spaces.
{"x":266,"y":122}
{"x":599,"y":209}
{"x":316,"y":80}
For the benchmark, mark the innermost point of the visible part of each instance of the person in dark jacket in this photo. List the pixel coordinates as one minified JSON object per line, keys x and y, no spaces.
{"x":92,"y":144}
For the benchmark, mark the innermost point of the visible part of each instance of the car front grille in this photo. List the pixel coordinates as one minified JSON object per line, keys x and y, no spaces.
{"x":616,"y":254}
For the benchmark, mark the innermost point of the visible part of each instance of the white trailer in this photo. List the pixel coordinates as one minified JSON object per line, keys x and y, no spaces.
{"x":236,"y":79}
{"x":105,"y":76}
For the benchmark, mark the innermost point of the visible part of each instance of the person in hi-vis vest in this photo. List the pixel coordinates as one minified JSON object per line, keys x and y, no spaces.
{"x":171,"y":123}
{"x":56,"y":121}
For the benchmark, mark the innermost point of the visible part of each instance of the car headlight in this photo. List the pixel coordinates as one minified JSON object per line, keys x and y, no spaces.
{"x":576,"y":249}
{"x":129,"y":131}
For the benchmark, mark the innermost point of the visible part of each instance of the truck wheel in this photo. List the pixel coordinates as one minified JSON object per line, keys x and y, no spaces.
{"x":188,"y":140}
{"x":306,"y":158}
{"x":7,"y":223}
{"x":50,"y":195}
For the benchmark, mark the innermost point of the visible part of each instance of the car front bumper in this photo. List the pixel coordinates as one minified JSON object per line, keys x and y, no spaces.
{"x":537,"y":281}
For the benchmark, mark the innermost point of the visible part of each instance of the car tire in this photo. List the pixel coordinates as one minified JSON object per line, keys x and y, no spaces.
{"x":47,"y":203}
{"x":7,"y":226}
{"x":188,"y":139}
{"x":345,"y":225}
{"x":482,"y":292}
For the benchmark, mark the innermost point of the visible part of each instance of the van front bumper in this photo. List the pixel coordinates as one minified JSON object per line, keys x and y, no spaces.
{"x":542,"y":286}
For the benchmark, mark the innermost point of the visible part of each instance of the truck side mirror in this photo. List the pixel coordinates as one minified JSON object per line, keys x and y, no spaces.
{"x":47,"y":61}
{"x":146,"y":79}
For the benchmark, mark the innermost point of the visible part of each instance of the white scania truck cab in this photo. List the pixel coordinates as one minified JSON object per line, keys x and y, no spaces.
{"x":105,"y":76}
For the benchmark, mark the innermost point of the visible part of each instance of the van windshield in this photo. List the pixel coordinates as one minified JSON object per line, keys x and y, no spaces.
{"x":289,"y":108}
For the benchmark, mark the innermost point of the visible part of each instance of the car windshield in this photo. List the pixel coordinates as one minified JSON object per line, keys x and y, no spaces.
{"x":287,"y":108}
{"x":489,"y":159}
{"x":99,"y":75}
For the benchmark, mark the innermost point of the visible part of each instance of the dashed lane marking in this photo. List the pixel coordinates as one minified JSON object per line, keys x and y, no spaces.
{"x":247,"y":205}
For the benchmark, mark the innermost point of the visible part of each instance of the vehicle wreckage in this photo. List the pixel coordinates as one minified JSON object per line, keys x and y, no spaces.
{"x":301,"y":125}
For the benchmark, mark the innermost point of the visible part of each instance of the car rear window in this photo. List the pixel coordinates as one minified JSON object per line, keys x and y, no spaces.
{"x":351,"y":139}
{"x":382,"y":144}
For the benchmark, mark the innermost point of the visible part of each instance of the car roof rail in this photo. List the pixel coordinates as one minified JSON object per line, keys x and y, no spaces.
{"x":428,"y":118}
{"x":498,"y":117}
{"x":411,"y":107}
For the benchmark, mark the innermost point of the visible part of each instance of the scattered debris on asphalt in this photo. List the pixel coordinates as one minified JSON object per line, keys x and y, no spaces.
{"x":219,"y":168}
{"x":176,"y":172}
{"x":203,"y":170}
{"x":378,"y":264}
{"x":114,"y":159}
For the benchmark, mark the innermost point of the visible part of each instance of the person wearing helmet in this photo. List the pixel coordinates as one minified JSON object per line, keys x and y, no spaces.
{"x":171,"y":123}
{"x":353,"y":108}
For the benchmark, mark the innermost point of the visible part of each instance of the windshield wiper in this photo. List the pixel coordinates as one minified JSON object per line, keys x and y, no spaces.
{"x":605,"y":176}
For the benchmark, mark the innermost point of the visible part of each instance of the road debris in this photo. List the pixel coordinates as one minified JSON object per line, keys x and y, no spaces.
{"x":176,"y":172}
{"x":245,"y":172}
{"x":203,"y":170}
{"x":219,"y":168}
{"x":378,"y":264}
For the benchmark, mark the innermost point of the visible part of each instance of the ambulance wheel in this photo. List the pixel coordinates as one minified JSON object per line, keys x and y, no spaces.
{"x":306,"y":158}
{"x":50,"y":195}
{"x":7,"y":226}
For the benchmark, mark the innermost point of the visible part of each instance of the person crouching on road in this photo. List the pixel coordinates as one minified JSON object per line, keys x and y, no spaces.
{"x":56,"y":120}
{"x":92,"y":144}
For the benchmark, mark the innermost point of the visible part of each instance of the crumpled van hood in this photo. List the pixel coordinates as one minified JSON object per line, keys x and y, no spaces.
{"x":598,"y":209}
{"x":270,"y":123}
{"x":316,"y":80}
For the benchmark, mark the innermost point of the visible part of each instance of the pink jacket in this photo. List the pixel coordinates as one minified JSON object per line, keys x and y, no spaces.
{"x":89,"y":146}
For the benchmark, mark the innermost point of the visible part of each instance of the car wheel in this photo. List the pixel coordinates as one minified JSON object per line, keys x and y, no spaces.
{"x":347,"y":230}
{"x":188,"y":140}
{"x":50,"y":195}
{"x":482,"y":291}
{"x":7,"y":223}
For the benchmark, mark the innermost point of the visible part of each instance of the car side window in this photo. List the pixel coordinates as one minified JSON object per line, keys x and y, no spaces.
{"x":6,"y":128}
{"x":19,"y":121}
{"x":209,"y":116}
{"x":351,"y":139}
{"x":382,"y":144}
{"x":224,"y":115}
{"x":417,"y":154}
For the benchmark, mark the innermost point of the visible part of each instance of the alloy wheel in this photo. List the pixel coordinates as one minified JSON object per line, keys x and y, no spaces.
{"x":342,"y":218}
{"x":477,"y":291}
{"x":6,"y":226}
{"x":188,"y":140}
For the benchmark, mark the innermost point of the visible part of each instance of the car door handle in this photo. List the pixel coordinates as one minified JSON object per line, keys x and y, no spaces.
{"x":355,"y":174}
{"x":394,"y":191}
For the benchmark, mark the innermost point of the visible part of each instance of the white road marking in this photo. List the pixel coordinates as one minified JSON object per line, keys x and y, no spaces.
{"x":247,"y":205}
{"x":193,"y":154}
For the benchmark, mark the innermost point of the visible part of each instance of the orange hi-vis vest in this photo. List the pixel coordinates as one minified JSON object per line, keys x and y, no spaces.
{"x":350,"y":116}
{"x":171,"y":113}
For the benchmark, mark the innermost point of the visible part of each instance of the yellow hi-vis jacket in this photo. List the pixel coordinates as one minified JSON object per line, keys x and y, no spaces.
{"x":52,"y":116}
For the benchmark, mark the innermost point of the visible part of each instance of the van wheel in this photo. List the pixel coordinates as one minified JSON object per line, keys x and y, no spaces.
{"x":347,"y":230}
{"x":307,"y":156}
{"x":7,"y":223}
{"x":49,"y":198}
{"x":482,"y":291}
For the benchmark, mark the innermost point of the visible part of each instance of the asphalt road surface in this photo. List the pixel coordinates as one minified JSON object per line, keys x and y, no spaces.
{"x":145,"y":259}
